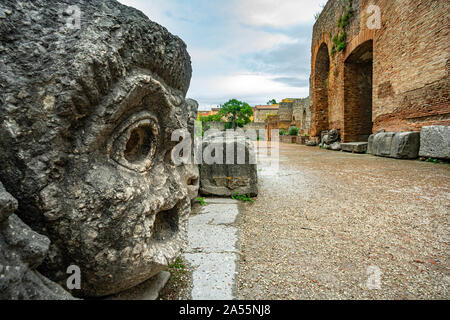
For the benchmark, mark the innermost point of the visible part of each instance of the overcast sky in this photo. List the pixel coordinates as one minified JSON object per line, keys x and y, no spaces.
{"x":251,"y":50}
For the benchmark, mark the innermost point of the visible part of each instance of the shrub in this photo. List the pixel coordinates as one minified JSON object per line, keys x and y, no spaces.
{"x":283,"y":132}
{"x":339,"y":40}
{"x":293,"y":131}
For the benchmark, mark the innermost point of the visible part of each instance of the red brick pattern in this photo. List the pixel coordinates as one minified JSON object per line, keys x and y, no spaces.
{"x":410,"y":71}
{"x":320,"y":93}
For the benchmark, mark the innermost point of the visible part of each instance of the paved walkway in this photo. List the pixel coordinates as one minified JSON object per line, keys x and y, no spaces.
{"x":212,"y":250}
{"x":332,"y":225}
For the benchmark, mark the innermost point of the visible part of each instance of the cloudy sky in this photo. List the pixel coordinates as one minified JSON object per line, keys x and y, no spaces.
{"x":251,"y":50}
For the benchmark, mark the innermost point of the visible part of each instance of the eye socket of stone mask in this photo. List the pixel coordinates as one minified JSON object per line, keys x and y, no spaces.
{"x":135,"y":143}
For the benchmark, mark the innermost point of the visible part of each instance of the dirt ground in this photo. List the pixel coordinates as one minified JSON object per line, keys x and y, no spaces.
{"x":333,"y":225}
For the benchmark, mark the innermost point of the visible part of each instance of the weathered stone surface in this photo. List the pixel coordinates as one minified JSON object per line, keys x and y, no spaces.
{"x":380,"y":143}
{"x":214,"y":259}
{"x":336,"y":146}
{"x":330,"y":140}
{"x":400,"y":145}
{"x":7,"y":204}
{"x":311,"y":143}
{"x":21,"y":251}
{"x":222,"y":179}
{"x":148,"y":290}
{"x":330,"y":137}
{"x":189,"y":171}
{"x":86,"y":118}
{"x":435,"y":142}
{"x":354,"y":147}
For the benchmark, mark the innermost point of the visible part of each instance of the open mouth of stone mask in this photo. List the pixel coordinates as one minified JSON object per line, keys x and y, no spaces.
{"x":166,"y":225}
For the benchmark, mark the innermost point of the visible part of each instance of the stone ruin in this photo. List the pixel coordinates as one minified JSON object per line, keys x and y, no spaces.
{"x":86,"y":117}
{"x":381,"y":65}
{"x":229,"y":165}
{"x":22,"y":251}
{"x":291,"y":113}
{"x":330,"y":140}
{"x":371,"y":81}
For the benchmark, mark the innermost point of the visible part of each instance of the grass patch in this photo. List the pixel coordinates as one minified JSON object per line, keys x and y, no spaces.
{"x":243,"y":198}
{"x":177,"y":269}
{"x":436,"y":161}
{"x":179,"y":285}
{"x":201,"y":200}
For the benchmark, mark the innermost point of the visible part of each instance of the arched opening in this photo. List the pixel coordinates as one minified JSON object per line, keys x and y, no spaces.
{"x":321,"y":78}
{"x":358,"y":76}
{"x":304,"y":122}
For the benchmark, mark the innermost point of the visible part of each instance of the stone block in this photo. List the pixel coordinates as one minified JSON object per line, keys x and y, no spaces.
{"x":435,"y":142}
{"x":336,"y":146}
{"x":399,"y":145}
{"x":227,"y":175}
{"x":354,"y":147}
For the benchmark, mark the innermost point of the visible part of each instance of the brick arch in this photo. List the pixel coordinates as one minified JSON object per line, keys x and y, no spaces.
{"x":321,"y":72}
{"x":303,"y":125}
{"x":357,"y":41}
{"x":323,"y":40}
{"x":358,"y":89}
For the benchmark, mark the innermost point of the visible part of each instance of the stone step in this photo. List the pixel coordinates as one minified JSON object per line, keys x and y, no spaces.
{"x":355,"y":147}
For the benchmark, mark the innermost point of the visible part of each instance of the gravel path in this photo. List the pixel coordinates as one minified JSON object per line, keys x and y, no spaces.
{"x":332,"y":225}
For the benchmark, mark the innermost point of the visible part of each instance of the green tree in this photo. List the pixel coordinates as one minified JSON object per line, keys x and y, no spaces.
{"x":272,"y":102}
{"x":211,"y":118}
{"x":205,"y":120}
{"x":293,"y":131}
{"x":237,"y":113}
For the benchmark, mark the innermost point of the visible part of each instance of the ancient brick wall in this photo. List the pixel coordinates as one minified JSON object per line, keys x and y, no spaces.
{"x":410,"y":64}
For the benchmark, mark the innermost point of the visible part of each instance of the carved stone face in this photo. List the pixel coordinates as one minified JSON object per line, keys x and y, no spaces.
{"x":122,"y":200}
{"x":89,"y":156}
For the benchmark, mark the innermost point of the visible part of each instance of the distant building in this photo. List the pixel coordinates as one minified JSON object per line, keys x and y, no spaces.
{"x":260,"y":113}
{"x":291,"y":113}
{"x":212,"y":112}
{"x":203,"y":113}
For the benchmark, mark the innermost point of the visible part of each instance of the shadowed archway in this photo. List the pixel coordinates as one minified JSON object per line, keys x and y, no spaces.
{"x":358,"y":70}
{"x":320,"y":118}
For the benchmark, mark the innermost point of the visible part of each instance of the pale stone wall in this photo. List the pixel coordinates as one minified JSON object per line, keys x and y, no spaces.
{"x":260,"y":115}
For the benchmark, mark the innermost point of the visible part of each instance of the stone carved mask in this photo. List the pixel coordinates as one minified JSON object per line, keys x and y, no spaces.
{"x":331,"y":136}
{"x":85,"y":131}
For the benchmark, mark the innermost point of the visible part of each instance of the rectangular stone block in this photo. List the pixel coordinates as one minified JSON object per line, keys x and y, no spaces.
{"x":435,"y":142}
{"x":229,"y":166}
{"x":355,"y":147}
{"x":382,"y":144}
{"x":405,"y":145}
{"x":399,"y":145}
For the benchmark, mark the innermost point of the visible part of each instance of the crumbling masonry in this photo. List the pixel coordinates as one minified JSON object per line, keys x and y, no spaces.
{"x":390,"y":71}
